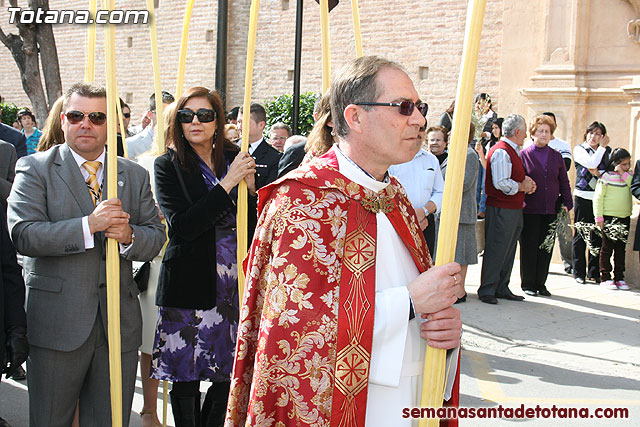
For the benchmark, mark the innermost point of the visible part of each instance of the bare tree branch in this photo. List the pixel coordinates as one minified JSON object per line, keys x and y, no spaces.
{"x":24,"y":49}
{"x":48,"y":56}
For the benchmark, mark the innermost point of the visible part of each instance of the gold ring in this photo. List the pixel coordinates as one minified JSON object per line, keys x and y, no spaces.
{"x":455,"y":279}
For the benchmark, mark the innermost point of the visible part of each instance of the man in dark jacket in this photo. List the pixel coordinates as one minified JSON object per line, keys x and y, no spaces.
{"x":14,"y":348}
{"x":266,"y":156}
{"x":15,"y":137}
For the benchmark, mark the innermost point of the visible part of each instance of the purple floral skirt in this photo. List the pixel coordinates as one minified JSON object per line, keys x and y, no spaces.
{"x":199,"y":345}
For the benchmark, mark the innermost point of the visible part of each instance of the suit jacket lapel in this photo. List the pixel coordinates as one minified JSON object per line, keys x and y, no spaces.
{"x":195,"y":184}
{"x":70,"y":174}
{"x":260,"y":150}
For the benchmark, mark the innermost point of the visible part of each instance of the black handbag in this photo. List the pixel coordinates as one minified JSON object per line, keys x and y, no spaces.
{"x":141,"y":271}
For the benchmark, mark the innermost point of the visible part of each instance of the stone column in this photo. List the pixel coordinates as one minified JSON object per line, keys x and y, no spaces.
{"x":633,"y":91}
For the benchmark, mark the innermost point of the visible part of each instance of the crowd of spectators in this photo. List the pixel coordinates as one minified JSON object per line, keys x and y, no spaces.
{"x":516,"y":184}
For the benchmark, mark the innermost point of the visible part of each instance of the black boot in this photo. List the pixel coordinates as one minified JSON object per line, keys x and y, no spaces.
{"x":214,"y":408}
{"x":186,"y":410}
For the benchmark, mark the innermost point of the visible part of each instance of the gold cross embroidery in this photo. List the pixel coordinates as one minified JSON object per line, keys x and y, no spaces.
{"x":378,"y":204}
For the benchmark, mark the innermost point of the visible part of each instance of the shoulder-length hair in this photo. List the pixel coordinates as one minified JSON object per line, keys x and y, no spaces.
{"x":593,"y":127}
{"x":617,"y":156}
{"x":183,"y":150}
{"x":52,"y":132}
{"x":320,"y":139}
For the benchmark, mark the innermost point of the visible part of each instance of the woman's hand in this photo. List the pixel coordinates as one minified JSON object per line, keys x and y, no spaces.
{"x":242,"y":166}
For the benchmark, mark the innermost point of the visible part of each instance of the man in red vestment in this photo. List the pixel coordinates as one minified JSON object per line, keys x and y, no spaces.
{"x":339,"y":277}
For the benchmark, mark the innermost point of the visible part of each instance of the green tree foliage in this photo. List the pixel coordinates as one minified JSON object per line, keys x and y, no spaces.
{"x":279,"y":110}
{"x":9,"y":113}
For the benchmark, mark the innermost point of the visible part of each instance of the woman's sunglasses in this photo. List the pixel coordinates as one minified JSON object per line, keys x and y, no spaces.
{"x":205,"y":115}
{"x":406,"y":107}
{"x":75,"y":117}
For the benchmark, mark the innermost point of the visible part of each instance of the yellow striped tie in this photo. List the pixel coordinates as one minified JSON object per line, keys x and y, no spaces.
{"x":92,"y":182}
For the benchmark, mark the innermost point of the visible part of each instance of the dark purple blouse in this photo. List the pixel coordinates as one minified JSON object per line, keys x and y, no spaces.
{"x":546,"y":167}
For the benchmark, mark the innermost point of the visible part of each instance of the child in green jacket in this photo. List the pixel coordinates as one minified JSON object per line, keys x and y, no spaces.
{"x":612,"y":205}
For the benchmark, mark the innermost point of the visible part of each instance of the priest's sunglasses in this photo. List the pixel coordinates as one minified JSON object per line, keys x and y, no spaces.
{"x":75,"y":117}
{"x":406,"y":107}
{"x":205,"y":115}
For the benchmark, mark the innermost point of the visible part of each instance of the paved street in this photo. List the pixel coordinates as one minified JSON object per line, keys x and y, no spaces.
{"x":579,"y":348}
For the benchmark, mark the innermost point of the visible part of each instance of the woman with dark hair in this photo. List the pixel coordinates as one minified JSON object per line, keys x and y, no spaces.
{"x":546,"y":167}
{"x":590,"y":159}
{"x":197,"y":295}
{"x":446,"y":119}
{"x":496,"y":133}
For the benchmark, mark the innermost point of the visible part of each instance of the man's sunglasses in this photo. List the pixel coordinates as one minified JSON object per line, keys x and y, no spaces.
{"x":205,"y":115}
{"x":75,"y":117}
{"x":406,"y":107}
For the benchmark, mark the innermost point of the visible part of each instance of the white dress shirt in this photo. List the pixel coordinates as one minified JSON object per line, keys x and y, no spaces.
{"x":254,"y":145}
{"x":501,"y":169}
{"x":140,"y":143}
{"x":86,"y":231}
{"x":422,"y":180}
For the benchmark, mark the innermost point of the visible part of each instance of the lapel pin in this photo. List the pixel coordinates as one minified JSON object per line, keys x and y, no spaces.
{"x":120,"y":184}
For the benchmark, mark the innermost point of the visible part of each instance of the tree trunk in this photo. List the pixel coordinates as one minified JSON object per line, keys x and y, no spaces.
{"x":24,"y":49}
{"x":48,"y":56}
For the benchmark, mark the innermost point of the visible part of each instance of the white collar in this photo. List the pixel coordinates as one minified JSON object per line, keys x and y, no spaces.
{"x":511,"y":143}
{"x":349,"y":169}
{"x":80,"y":160}
{"x":254,"y":145}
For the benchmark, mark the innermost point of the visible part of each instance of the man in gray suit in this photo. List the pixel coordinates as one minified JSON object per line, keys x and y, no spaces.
{"x":7,"y":170}
{"x":59,"y":223}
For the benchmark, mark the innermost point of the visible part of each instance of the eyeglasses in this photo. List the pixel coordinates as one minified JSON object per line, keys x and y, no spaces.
{"x":406,"y":107}
{"x":273,"y":138}
{"x":75,"y":117}
{"x":205,"y":115}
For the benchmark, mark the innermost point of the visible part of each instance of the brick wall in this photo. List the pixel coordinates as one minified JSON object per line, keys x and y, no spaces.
{"x":416,"y":34}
